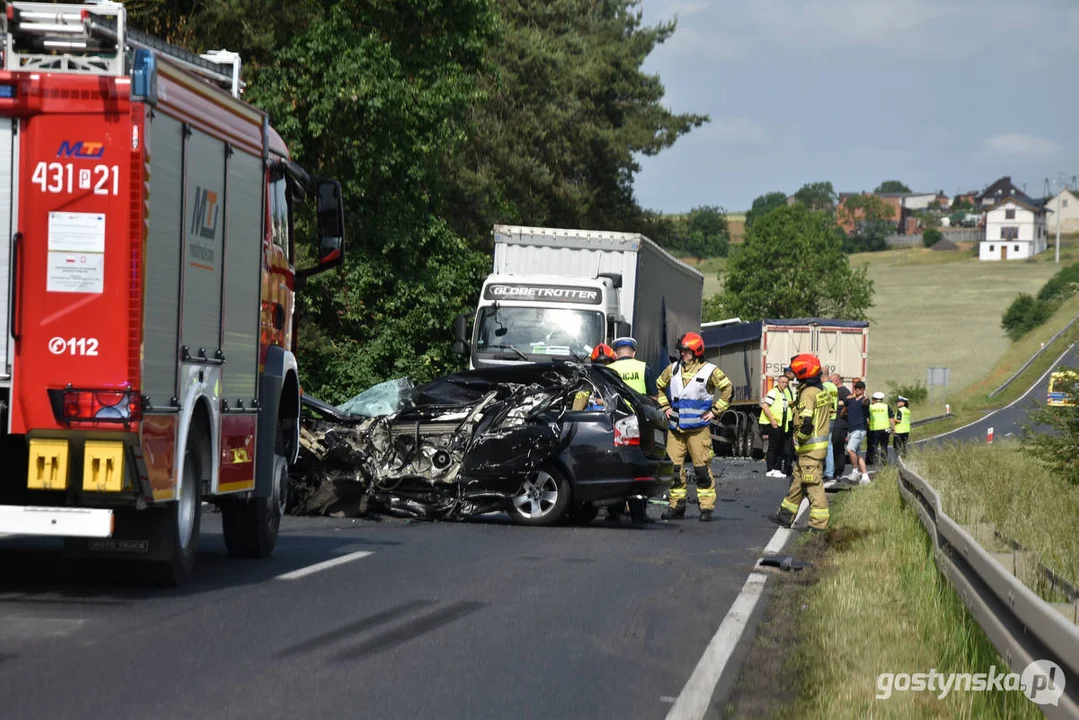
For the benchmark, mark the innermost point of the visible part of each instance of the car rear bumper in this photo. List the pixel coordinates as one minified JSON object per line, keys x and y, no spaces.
{"x":645,"y":478}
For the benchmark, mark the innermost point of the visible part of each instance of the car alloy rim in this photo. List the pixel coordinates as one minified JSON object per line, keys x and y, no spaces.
{"x":537,"y":495}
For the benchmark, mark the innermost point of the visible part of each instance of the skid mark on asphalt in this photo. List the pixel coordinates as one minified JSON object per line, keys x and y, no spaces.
{"x":411,"y":631}
{"x":355,"y":628}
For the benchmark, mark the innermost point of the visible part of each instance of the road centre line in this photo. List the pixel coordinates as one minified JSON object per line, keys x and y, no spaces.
{"x":696,"y":697}
{"x":324,"y":565}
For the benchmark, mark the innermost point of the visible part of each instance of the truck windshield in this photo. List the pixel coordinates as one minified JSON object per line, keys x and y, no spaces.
{"x":538,"y":331}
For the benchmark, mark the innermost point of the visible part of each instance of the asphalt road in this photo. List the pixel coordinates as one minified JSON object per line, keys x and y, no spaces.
{"x":440,"y":620}
{"x":1009,"y":420}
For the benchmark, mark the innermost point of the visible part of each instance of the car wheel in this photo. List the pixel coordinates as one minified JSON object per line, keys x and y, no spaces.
{"x":542,"y":499}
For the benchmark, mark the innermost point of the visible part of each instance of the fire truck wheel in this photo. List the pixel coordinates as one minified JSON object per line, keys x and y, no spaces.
{"x":251,"y":526}
{"x":180,"y":536}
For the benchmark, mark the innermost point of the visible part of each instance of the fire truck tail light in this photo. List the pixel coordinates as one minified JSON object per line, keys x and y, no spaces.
{"x":98,"y":406}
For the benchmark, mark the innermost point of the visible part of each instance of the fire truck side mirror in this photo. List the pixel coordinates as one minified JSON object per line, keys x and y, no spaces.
{"x":331,"y":224}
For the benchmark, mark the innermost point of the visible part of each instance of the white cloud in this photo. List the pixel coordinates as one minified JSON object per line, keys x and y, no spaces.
{"x":848,"y":21}
{"x":1020,"y":145}
{"x":733,"y":131}
{"x":684,"y":8}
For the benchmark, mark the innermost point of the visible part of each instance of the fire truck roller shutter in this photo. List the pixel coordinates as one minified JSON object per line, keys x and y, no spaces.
{"x":244,"y":195}
{"x":161,"y":316}
{"x":8,"y":198}
{"x":204,"y":190}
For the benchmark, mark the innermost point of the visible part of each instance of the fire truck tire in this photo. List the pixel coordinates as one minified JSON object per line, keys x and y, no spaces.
{"x":251,"y":526}
{"x":182,"y":521}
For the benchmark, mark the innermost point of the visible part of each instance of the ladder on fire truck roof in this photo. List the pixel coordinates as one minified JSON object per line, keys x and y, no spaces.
{"x":94,"y":39}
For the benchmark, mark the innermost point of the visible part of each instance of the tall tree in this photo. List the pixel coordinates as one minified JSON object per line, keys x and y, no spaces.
{"x":817,"y":196}
{"x":792,"y":265}
{"x":765,"y":204}
{"x":707,"y":232}
{"x":892,"y":186}
{"x":568,"y":111}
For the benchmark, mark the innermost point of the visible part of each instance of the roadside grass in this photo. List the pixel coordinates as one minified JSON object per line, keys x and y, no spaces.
{"x":881,"y":606}
{"x":999,"y":484}
{"x":971,"y":402}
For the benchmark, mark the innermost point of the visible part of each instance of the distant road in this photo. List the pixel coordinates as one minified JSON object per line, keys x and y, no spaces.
{"x":1008,"y":420}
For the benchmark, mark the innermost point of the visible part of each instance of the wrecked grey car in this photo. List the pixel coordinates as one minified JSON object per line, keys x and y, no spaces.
{"x":497,"y":439}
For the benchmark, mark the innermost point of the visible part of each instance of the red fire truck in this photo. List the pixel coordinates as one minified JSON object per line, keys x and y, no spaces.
{"x":148,"y":283}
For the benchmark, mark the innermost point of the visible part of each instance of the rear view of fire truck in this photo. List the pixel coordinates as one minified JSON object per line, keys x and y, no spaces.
{"x":147,"y":278}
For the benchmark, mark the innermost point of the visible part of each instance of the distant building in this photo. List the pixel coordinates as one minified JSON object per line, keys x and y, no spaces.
{"x":904,"y":204}
{"x":1068,"y":209}
{"x":1015,"y":229}
{"x":999,"y":190}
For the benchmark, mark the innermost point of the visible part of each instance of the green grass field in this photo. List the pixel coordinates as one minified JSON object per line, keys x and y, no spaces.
{"x":939,"y":309}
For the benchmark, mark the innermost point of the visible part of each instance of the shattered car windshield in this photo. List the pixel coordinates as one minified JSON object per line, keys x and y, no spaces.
{"x":539,"y":331}
{"x":382,"y":399}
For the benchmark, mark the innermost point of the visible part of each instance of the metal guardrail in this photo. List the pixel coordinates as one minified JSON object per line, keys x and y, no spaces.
{"x":1034,"y":357}
{"x":1022,"y":626}
{"x":931,"y":418}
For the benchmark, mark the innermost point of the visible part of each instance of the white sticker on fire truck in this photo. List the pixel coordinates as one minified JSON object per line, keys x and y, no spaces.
{"x":76,"y":261}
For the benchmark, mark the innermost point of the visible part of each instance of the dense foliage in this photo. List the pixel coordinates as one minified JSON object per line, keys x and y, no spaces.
{"x":1028,"y":311}
{"x":792,"y":265}
{"x":440,"y":118}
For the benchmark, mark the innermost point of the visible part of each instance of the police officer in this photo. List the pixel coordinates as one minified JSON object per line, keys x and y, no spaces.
{"x":811,"y":419}
{"x":901,"y":426}
{"x":880,"y":422}
{"x":687,"y":394}
{"x":634,"y":372}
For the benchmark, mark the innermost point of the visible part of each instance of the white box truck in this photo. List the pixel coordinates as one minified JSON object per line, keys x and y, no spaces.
{"x":557,"y":292}
{"x":753,"y":354}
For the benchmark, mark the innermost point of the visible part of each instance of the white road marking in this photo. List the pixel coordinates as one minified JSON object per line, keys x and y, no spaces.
{"x":696,"y":696}
{"x":1037,"y":384}
{"x":325,"y":564}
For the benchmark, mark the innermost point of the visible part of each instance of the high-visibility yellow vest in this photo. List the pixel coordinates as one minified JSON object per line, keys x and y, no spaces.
{"x":833,"y":395}
{"x":792,"y":399}
{"x":632,"y":372}
{"x":903,"y":420}
{"x":779,"y":408}
{"x":878,"y":416}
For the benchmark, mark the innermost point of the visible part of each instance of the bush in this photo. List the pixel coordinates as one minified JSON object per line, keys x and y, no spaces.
{"x":1061,"y":286}
{"x":1024,"y":314}
{"x":931,"y":237}
{"x":916,"y":393}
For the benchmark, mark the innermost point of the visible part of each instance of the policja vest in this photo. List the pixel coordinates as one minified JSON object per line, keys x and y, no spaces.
{"x":902,"y":424}
{"x":878,"y":416}
{"x":833,"y":396}
{"x":692,"y":400}
{"x":632,"y":372}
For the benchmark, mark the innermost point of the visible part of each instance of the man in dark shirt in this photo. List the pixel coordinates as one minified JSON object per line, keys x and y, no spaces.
{"x":839,"y":429}
{"x":857,"y":405}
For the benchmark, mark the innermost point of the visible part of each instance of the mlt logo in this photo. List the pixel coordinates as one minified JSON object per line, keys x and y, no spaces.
{"x":204,"y":214}
{"x":81,"y":149}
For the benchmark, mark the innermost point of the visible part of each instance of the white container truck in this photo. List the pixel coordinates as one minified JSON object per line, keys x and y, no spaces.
{"x":753,"y":354}
{"x":556,"y":292}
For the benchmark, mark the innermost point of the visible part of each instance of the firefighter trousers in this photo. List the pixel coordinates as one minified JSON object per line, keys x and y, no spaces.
{"x":698,"y":445}
{"x":807,"y":481}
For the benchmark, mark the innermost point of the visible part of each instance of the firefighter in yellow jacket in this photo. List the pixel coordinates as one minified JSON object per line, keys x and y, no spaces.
{"x":688,"y":392}
{"x":811,"y":417}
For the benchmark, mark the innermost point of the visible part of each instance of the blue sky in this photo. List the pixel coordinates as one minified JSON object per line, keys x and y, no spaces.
{"x":941,"y":94}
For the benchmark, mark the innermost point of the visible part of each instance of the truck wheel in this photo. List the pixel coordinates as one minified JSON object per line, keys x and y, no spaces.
{"x":251,"y":526}
{"x":182,"y":524}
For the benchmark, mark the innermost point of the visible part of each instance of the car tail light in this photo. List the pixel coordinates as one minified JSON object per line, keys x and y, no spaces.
{"x":627,"y":431}
{"x":100,"y":406}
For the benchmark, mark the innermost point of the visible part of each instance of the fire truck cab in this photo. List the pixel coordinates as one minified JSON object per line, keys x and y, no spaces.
{"x":147,"y":283}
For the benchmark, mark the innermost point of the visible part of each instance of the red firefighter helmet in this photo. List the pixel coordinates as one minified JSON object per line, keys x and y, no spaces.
{"x":603,"y":354}
{"x":805,"y":366}
{"x":692,"y":342}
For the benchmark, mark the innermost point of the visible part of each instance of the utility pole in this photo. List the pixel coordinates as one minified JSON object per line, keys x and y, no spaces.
{"x":1059,"y":193}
